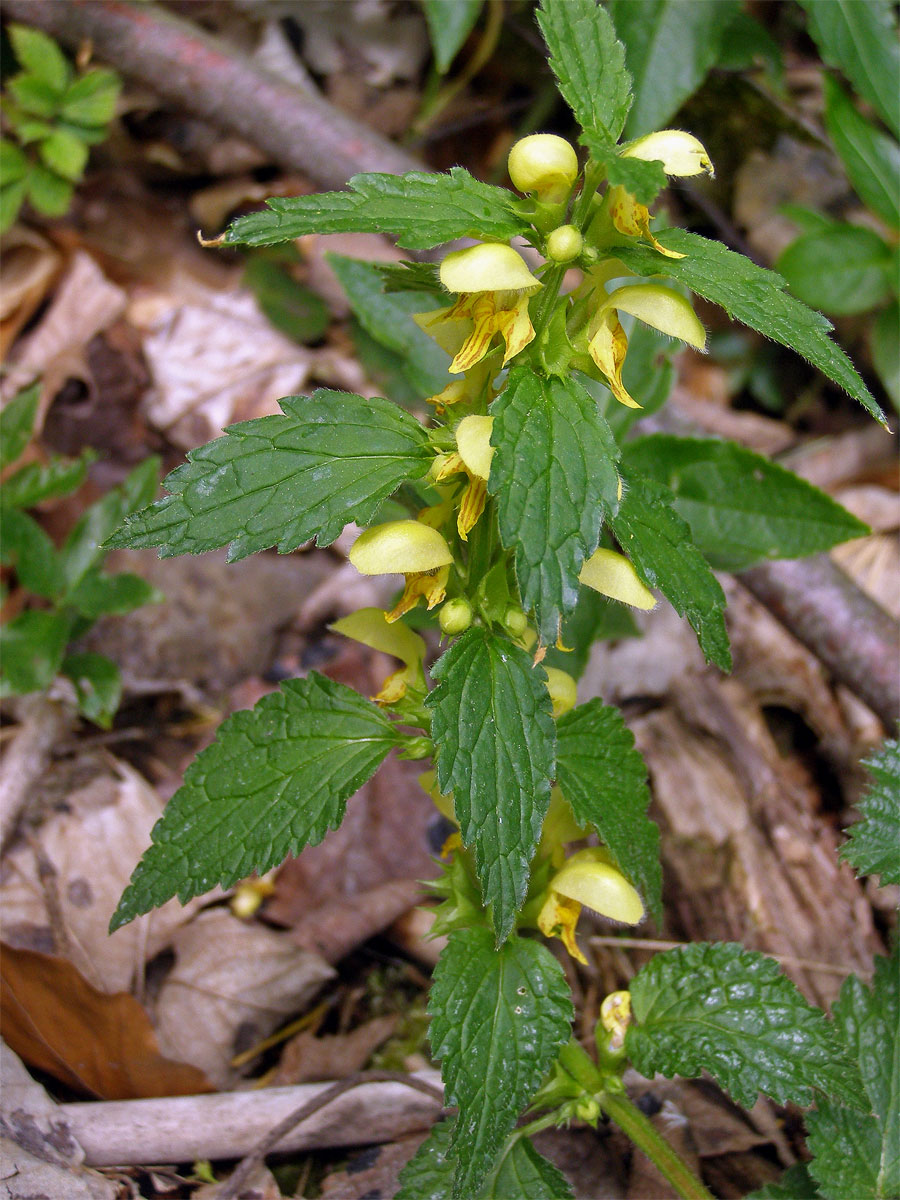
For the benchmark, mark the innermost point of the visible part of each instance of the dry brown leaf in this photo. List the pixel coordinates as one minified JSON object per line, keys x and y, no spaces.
{"x":30,"y":265}
{"x":100,"y":1045}
{"x":373,"y":1172}
{"x":24,"y":1176}
{"x":85,"y":303}
{"x":31,"y":1117}
{"x":90,"y":847}
{"x":337,"y":928}
{"x":231,"y":986}
{"x":215,"y":359}
{"x":310,"y":1059}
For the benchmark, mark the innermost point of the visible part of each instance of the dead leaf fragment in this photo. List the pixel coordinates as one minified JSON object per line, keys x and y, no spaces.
{"x":103,"y":1046}
{"x":310,"y":1059}
{"x":231,"y":986}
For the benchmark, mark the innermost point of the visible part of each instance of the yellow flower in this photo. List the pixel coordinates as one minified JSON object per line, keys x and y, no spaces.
{"x":408,"y":548}
{"x":545,"y":164}
{"x":680,"y":153}
{"x":588,"y":878}
{"x":473,"y":456}
{"x":633,"y":219}
{"x":656,"y":305}
{"x":562,"y":689}
{"x":612,"y":574}
{"x":494,"y":286}
{"x":370,"y":627}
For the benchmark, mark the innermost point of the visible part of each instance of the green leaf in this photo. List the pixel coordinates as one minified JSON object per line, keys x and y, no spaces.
{"x":730,"y":1011}
{"x":386,"y":318}
{"x":746,"y":44}
{"x":754,"y":296}
{"x":670,"y":46}
{"x":98,"y":686}
{"x":98,"y":594}
{"x":658,"y":542}
{"x":885,"y":349}
{"x":12,"y":197}
{"x":421,"y":210}
{"x":48,"y":192}
{"x":85,"y":547}
{"x":595,"y":618}
{"x":795,"y":1184}
{"x":859,"y":1154}
{"x":91,"y":100}
{"x":40,"y":56}
{"x":65,"y":154}
{"x":588,"y":62}
{"x":276,"y":779}
{"x":498,"y":1019}
{"x":332,"y":458}
{"x":494,"y":734}
{"x":873,"y":847}
{"x":42,"y":481}
{"x":555,"y":479}
{"x":449,"y":24}
{"x":843,"y":270}
{"x":17,"y":423}
{"x":521,"y":1172}
{"x":32,"y":646}
{"x":28,"y":548}
{"x":33,"y":95}
{"x":411,"y":277}
{"x":871,"y":158}
{"x":13,"y":163}
{"x":289,"y":306}
{"x":644,"y":179}
{"x":741,"y":507}
{"x":604,"y":779}
{"x":861,"y":40}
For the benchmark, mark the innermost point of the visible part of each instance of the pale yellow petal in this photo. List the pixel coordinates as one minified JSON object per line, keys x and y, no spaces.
{"x":399,"y":548}
{"x":485,"y":268}
{"x":613,"y":575}
{"x":473,"y":440}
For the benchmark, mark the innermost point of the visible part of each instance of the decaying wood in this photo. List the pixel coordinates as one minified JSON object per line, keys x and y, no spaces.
{"x":852,"y":635}
{"x":200,"y":73}
{"x":232,"y":1124}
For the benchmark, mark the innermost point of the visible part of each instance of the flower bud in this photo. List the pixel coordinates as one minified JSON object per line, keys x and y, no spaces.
{"x":416,"y":748}
{"x":661,"y":307}
{"x":562,"y":689}
{"x":680,"y":153}
{"x":564,"y":244}
{"x":612,"y":574}
{"x":473,"y":440}
{"x":399,"y":548}
{"x":488,"y":267}
{"x":543,"y":163}
{"x":514,"y":621}
{"x":455,"y":616}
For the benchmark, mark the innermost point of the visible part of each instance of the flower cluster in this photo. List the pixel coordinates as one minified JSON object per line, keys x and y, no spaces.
{"x":503,"y":309}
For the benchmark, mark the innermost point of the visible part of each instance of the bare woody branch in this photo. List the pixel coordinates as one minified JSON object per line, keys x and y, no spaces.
{"x":202,"y":75}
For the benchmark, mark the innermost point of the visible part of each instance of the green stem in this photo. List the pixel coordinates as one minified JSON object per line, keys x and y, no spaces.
{"x":579,"y":1064}
{"x":642,"y":1132}
{"x":547,"y":299}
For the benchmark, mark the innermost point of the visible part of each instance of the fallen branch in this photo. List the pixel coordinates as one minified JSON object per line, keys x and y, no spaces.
{"x":847,"y":631}
{"x":234,"y":1124}
{"x":201,"y":74}
{"x":241,"y":1175}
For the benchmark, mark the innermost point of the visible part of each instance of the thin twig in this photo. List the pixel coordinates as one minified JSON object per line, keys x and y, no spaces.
{"x":203,"y":75}
{"x":249,"y":1164}
{"x":790,"y":960}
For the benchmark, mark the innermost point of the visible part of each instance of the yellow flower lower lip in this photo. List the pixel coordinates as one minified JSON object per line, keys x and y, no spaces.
{"x":612,"y":574}
{"x":399,"y":548}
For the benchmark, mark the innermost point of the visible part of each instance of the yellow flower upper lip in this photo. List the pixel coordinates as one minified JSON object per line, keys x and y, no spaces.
{"x":592,"y":880}
{"x":399,"y":548}
{"x":488,"y":267}
{"x":680,"y":153}
{"x":612,"y":574}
